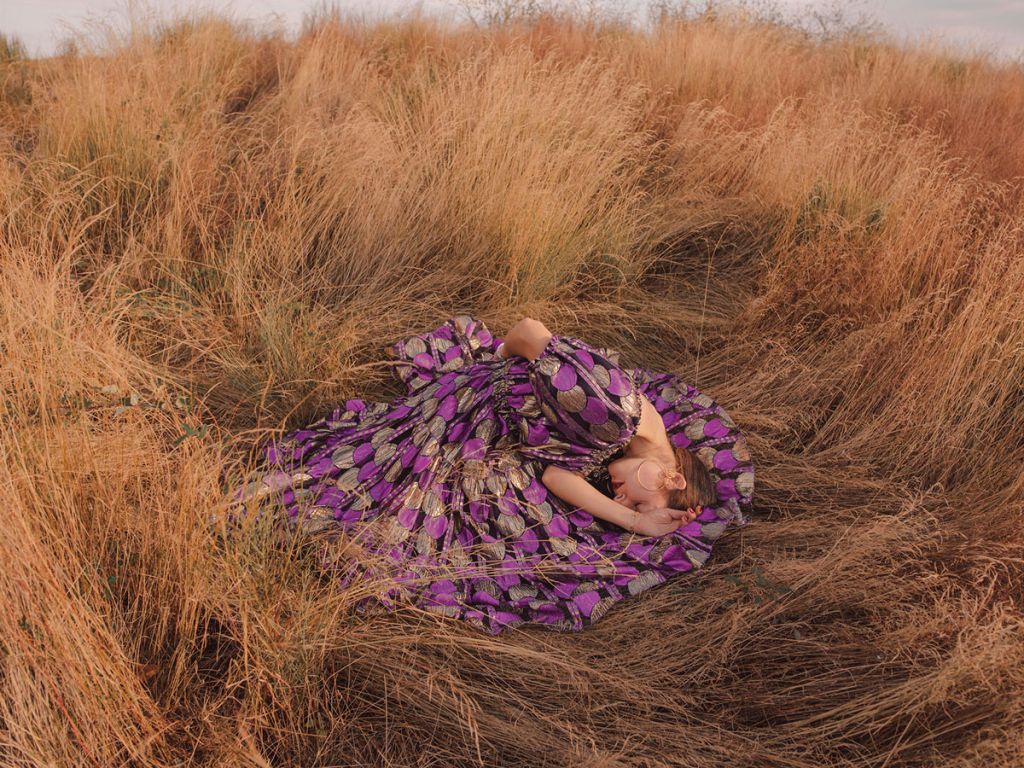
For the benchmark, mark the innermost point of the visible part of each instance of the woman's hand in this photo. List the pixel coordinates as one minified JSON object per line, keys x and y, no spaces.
{"x":658,"y":521}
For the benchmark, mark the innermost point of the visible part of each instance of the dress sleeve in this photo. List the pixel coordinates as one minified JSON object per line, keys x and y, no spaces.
{"x":588,"y":405}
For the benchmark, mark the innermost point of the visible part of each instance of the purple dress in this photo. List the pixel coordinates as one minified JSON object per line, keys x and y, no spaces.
{"x":442,"y":485}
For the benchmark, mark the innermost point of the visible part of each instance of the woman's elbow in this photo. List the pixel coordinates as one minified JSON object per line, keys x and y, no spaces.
{"x":527,"y":338}
{"x":548,"y":473}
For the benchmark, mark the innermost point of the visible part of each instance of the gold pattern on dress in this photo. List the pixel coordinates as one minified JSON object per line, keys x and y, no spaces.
{"x":702,"y":400}
{"x":398,"y":532}
{"x":548,"y":365}
{"x":485,"y":429}
{"x":669,"y":393}
{"x":414,"y":497}
{"x":464,"y":398}
{"x":695,"y":429}
{"x":496,"y":484}
{"x":456,"y":554}
{"x":542,"y":512}
{"x":382,"y":435}
{"x":506,"y":463}
{"x":429,"y":409}
{"x":422,"y":393}
{"x":740,"y":450}
{"x":474,"y":468}
{"x":348,"y":480}
{"x":461,"y":322}
{"x":420,"y":433}
{"x":631,"y":403}
{"x":573,"y":400}
{"x":601,"y":608}
{"x":424,"y":542}
{"x":745,"y":483}
{"x":450,"y":611}
{"x":342,"y":457}
{"x":319,"y":518}
{"x":473,"y":487}
{"x":585,"y":586}
{"x":642,"y":581}
{"x":549,"y":412}
{"x":494,"y":550}
{"x":510,"y":525}
{"x":601,"y":376}
{"x":658,"y":550}
{"x":499,"y":396}
{"x":437,"y":425}
{"x":564,"y":546}
{"x":432,"y":504}
{"x":519,"y":591}
{"x":697,"y":557}
{"x":518,"y":478}
{"x":299,"y":478}
{"x":383,"y":453}
{"x":450,"y":453}
{"x":712,"y":531}
{"x":489,"y":587}
{"x":431,"y":447}
{"x":607,"y":432}
{"x":393,"y":471}
{"x":415,"y":346}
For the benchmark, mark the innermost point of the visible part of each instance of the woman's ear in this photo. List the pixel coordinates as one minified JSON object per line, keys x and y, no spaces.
{"x":677,"y":480}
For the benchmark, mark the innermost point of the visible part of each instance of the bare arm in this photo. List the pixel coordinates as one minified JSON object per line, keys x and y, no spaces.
{"x":575,"y":489}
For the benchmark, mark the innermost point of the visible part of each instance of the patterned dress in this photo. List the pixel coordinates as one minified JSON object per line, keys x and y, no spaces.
{"x":441,"y":487}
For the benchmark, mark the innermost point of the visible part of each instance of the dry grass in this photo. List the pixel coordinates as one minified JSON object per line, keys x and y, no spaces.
{"x":207,"y":234}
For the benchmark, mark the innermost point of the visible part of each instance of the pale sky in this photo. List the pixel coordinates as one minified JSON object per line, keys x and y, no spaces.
{"x":41,"y":24}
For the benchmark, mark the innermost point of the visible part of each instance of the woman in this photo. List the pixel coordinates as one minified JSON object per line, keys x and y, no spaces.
{"x":529,"y":479}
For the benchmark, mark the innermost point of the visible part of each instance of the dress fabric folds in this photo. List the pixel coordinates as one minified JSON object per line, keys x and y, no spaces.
{"x":441,"y":485}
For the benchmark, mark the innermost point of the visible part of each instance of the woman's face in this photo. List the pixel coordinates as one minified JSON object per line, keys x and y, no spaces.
{"x":630,"y":475}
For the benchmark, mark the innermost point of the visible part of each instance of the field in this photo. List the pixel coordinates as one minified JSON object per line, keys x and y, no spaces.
{"x":209,"y":233}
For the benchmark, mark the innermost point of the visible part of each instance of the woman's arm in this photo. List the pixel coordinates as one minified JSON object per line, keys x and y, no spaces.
{"x":575,"y":489}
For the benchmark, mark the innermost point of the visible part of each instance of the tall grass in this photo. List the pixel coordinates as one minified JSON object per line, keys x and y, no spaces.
{"x":209,"y":233}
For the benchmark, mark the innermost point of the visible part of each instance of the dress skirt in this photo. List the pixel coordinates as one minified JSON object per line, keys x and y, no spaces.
{"x":440,"y":488}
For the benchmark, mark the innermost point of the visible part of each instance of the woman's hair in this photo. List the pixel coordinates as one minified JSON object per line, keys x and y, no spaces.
{"x":700,"y":486}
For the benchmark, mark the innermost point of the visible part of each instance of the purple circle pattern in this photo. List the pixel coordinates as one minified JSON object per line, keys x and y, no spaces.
{"x":442,"y":485}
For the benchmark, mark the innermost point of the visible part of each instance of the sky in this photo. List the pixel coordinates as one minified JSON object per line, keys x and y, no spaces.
{"x":996,"y":25}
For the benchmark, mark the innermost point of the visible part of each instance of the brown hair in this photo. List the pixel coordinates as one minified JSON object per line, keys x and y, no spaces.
{"x":700,"y":486}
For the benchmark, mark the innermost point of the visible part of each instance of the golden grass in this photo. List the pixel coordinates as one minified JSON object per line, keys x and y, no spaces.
{"x":207,"y":234}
